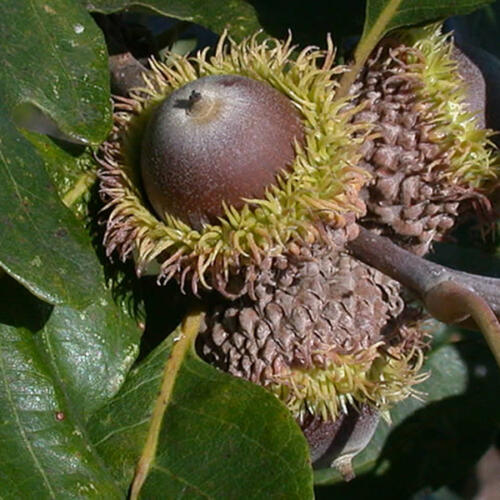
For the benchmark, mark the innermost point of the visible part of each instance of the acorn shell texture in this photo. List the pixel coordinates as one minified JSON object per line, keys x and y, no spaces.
{"x":429,"y":157}
{"x":218,"y":140}
{"x":320,"y":189}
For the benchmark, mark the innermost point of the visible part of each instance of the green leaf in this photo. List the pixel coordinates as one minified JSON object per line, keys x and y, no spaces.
{"x":54,"y":60}
{"x":72,"y":170}
{"x":433,"y":441}
{"x":448,"y":377}
{"x":237,"y":16}
{"x":89,"y":352}
{"x":383,"y":16}
{"x":43,"y":451}
{"x":41,"y":244}
{"x":221,"y":437}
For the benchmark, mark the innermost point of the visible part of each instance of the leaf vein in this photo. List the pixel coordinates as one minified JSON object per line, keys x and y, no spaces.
{"x":22,"y":432}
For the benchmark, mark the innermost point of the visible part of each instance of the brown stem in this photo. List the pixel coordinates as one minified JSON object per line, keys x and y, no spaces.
{"x":126,"y":73}
{"x":449,"y":301}
{"x":450,"y":296}
{"x":417,"y":274}
{"x":125,"y":70}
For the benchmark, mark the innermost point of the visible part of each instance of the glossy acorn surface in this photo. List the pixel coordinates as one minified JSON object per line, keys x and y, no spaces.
{"x":218,"y":139}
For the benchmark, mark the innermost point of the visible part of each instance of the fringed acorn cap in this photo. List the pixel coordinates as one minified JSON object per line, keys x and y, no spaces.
{"x":318,"y":190}
{"x":323,"y":335}
{"x":429,"y":157}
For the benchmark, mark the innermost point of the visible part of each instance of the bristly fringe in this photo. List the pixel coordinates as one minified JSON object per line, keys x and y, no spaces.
{"x":431,"y":161}
{"x":471,"y":158}
{"x":321,"y":189}
{"x":367,"y":377}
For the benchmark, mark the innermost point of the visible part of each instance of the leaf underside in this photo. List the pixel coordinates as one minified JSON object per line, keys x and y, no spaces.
{"x":237,"y":16}
{"x":383,"y":16}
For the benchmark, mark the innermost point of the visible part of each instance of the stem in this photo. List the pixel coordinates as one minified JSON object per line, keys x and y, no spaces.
{"x":126,"y":73}
{"x":416,"y":273}
{"x":125,"y":70}
{"x":368,"y":41}
{"x":188,"y":332}
{"x":455,"y":300}
{"x":450,"y":296}
{"x":80,"y":187}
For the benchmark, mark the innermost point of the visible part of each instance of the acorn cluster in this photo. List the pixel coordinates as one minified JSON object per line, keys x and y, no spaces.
{"x":241,"y":176}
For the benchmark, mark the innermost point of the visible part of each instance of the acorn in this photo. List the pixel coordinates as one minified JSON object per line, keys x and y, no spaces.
{"x":334,"y":443}
{"x":403,"y":154}
{"x":222,"y":163}
{"x":329,"y":336}
{"x":193,"y":158}
{"x":430,"y":158}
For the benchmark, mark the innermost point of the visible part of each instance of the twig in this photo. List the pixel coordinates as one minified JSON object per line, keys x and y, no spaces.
{"x":449,"y":301}
{"x":188,"y":332}
{"x":450,"y":296}
{"x":126,"y":73}
{"x":369,"y":40}
{"x":125,"y":70}
{"x":417,"y":274}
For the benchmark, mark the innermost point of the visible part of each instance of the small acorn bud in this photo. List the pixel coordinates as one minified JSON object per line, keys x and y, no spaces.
{"x":218,"y":139}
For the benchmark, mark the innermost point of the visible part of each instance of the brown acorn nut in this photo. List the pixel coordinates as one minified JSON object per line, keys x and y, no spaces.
{"x":219,"y":139}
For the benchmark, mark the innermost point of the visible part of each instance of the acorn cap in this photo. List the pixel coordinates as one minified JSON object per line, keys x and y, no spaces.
{"x":323,"y":335}
{"x":318,"y":189}
{"x":218,"y":140}
{"x":429,"y":156}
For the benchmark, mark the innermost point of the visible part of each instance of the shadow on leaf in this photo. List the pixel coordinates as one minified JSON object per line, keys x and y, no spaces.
{"x":20,"y":308}
{"x":439,"y":443}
